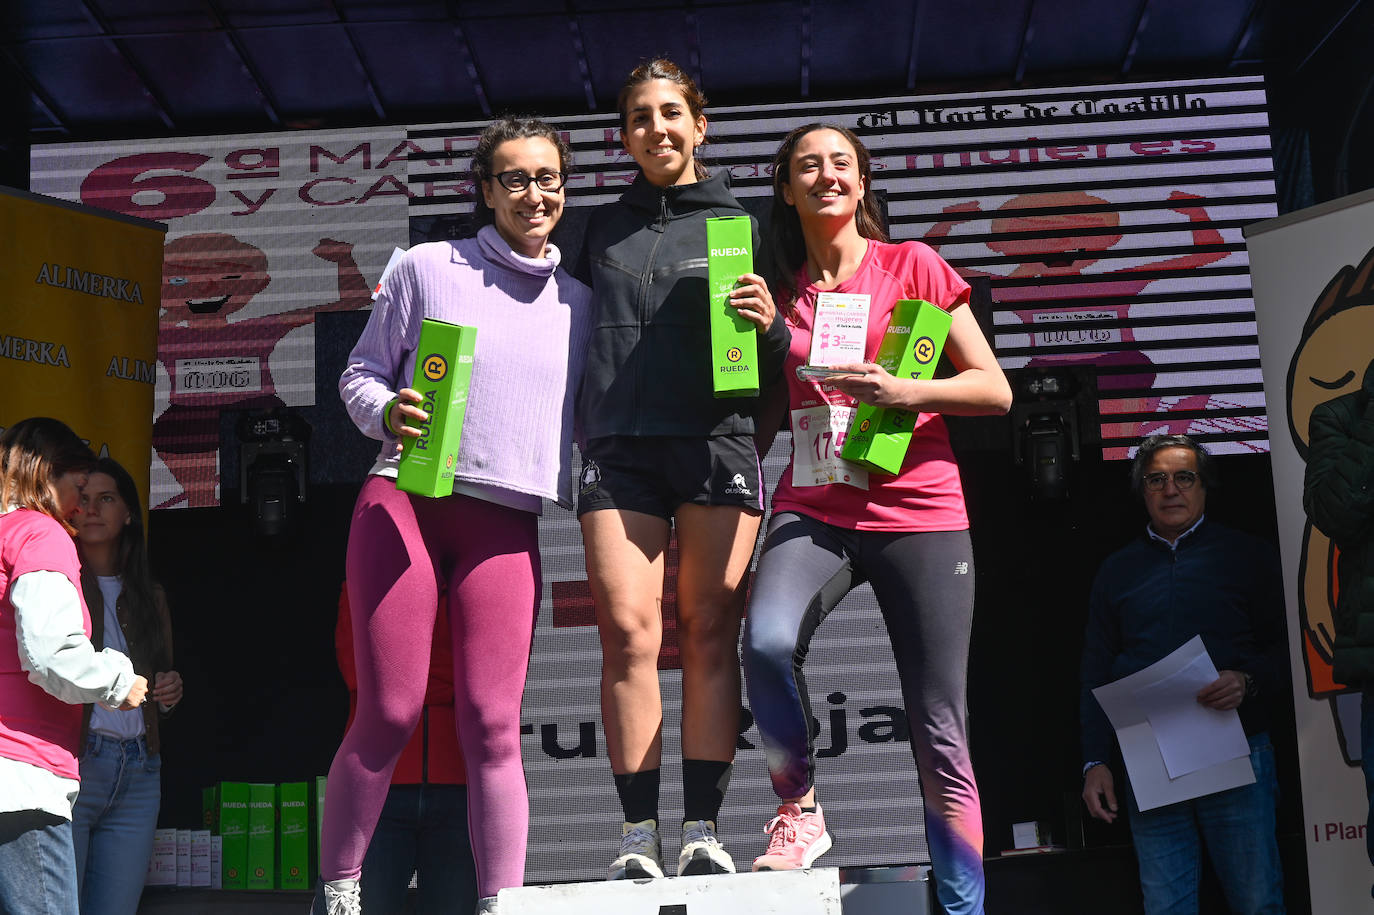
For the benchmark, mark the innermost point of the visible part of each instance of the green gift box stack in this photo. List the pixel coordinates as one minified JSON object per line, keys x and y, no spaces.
{"x":268,"y":835}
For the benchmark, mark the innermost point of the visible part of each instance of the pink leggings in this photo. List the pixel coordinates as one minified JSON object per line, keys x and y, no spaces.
{"x":400,"y":550}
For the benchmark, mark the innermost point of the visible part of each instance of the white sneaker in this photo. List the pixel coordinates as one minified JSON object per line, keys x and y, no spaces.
{"x":341,"y":897}
{"x":641,"y":852}
{"x":702,"y":852}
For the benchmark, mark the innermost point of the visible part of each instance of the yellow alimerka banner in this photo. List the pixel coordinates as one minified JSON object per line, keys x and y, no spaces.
{"x":78,"y":322}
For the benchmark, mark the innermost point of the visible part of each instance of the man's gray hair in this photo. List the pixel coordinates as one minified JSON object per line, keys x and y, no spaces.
{"x":1206,"y":467}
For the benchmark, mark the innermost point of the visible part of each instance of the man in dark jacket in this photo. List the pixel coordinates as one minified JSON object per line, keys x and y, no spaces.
{"x":1338,"y":494}
{"x":1188,"y":576}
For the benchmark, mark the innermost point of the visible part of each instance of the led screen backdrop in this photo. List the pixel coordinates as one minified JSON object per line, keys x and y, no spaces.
{"x":264,"y":231}
{"x":1106,"y":218}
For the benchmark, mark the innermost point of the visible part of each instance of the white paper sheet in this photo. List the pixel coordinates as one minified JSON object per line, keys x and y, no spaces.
{"x":1150,"y":778}
{"x":1190,"y":736}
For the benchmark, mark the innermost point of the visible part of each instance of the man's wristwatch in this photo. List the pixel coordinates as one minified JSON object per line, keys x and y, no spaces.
{"x":1091,"y":765}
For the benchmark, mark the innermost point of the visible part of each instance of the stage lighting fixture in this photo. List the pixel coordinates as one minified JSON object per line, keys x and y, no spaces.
{"x":1047,"y":448}
{"x":273,"y":448}
{"x":1045,"y":426}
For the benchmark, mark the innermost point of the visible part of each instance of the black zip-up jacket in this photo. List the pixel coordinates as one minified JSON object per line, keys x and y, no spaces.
{"x":648,"y":362}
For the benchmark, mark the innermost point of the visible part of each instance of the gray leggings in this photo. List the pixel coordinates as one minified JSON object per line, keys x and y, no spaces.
{"x":924,"y":586}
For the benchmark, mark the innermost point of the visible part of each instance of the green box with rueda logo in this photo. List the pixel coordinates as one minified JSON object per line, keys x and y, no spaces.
{"x":443,"y":372}
{"x":293,"y":836}
{"x":878,"y":436}
{"x":233,"y":831}
{"x":734,"y":344}
{"x":262,"y":836}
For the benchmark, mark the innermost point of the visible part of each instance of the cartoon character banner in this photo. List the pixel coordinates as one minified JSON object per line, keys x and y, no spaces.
{"x":78,"y":328}
{"x":1314,"y":295}
{"x":264,"y":232}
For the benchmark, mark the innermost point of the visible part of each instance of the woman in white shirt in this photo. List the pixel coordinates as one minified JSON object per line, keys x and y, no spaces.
{"x":116,"y":811}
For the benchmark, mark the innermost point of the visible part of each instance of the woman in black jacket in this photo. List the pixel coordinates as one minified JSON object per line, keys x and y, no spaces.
{"x":662,"y":453}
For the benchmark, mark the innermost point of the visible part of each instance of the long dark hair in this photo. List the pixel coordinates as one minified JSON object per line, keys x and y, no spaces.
{"x":34,"y":453}
{"x":663,"y":68}
{"x":785,"y":244}
{"x":498,"y":132}
{"x":131,"y":562}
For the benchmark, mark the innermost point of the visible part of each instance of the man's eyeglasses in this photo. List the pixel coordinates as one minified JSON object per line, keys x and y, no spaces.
{"x":1184,"y":480}
{"x":516,"y":181}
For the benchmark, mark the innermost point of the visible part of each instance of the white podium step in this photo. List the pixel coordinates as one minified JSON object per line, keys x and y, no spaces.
{"x":806,"y":892}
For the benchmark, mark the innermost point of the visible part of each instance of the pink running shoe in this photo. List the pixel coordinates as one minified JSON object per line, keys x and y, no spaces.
{"x":796,"y":839}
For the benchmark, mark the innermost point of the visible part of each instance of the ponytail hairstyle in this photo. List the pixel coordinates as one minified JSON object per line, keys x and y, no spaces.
{"x":34,"y":453}
{"x":497,"y":132}
{"x":786,"y":246}
{"x":663,"y":68}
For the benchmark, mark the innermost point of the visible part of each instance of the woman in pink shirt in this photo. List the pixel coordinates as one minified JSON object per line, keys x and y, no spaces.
{"x":48,"y":666}
{"x":836,"y":525}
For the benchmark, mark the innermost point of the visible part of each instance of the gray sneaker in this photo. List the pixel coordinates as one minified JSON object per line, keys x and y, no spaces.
{"x":641,"y":852}
{"x":702,"y":852}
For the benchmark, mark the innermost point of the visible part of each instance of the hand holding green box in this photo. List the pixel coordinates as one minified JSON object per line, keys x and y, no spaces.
{"x":734,"y":342}
{"x":878,"y":436}
{"x":443,"y":371}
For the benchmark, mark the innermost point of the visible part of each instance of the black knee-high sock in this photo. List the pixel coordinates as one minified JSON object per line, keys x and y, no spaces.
{"x":638,"y":795}
{"x":704,"y":782}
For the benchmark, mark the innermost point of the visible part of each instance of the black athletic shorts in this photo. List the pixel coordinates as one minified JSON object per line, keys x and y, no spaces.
{"x":656,"y":474}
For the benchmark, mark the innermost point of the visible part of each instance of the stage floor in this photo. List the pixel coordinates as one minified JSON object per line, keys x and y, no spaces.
{"x":1081,"y":882}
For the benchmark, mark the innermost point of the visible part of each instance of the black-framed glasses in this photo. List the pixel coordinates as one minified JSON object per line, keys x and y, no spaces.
{"x":1184,"y":480}
{"x":517,"y":181}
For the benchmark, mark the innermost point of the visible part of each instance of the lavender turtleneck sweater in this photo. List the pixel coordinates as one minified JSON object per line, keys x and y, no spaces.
{"x":532,"y":325}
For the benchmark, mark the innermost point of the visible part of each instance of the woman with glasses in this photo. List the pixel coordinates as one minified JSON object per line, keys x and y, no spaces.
{"x":836,"y":525}
{"x":481,"y":542}
{"x":663,"y":454}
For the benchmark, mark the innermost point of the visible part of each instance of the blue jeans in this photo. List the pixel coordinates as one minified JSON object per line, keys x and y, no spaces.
{"x":113,"y":823}
{"x":1238,"y":829}
{"x":37,"y":868}
{"x":423,"y":830}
